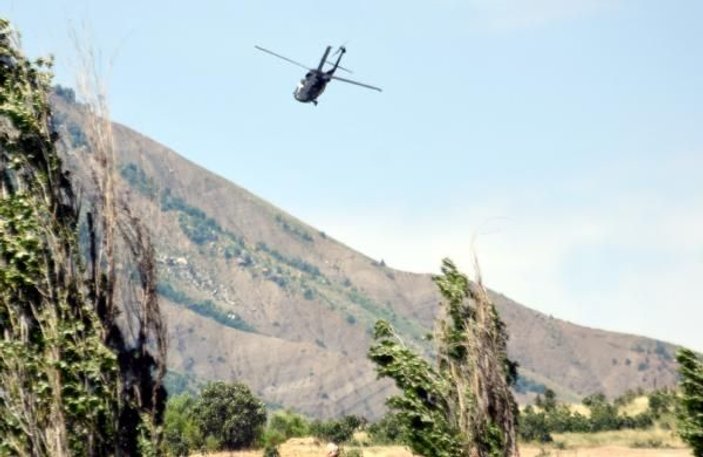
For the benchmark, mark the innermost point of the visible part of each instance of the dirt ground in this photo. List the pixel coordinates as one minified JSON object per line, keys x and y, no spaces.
{"x":309,"y":447}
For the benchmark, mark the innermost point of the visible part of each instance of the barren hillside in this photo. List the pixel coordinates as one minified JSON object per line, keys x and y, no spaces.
{"x":252,"y":293}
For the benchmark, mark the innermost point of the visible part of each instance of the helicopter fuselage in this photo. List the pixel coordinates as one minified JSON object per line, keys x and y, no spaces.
{"x":311,"y":86}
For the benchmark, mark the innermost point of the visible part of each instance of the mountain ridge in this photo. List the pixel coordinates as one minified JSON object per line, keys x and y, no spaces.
{"x":253,"y":293}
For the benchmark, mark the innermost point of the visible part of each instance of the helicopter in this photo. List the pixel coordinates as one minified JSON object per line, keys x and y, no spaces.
{"x":316,"y":79}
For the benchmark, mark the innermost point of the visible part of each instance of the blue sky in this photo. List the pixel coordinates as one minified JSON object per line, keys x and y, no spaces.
{"x":559,"y":140}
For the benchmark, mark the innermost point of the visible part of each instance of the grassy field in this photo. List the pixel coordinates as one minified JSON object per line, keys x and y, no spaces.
{"x":627,"y":443}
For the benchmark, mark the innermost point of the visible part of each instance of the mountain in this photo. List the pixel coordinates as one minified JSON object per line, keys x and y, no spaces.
{"x":251,"y":293}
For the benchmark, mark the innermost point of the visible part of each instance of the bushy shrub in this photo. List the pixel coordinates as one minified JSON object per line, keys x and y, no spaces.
{"x":181,"y":432}
{"x":337,"y":430}
{"x":533,"y":426}
{"x":386,"y":431}
{"x":288,"y":424}
{"x":231,"y":414}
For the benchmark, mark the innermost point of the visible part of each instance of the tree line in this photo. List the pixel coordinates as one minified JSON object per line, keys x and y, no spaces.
{"x":547,"y":416}
{"x":229,"y":416}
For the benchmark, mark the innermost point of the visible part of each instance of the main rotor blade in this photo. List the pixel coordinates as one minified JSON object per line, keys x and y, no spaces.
{"x":281,"y":57}
{"x":339,"y":67}
{"x":357,"y":83}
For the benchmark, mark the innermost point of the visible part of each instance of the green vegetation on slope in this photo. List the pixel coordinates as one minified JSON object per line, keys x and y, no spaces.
{"x":274,"y":265}
{"x":205,"y":308}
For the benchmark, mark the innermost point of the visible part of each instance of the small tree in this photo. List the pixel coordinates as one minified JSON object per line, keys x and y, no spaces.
{"x":690,"y":415}
{"x":337,"y":431}
{"x":604,"y":415}
{"x":534,"y":426}
{"x":230,"y":414}
{"x":550,"y":400}
{"x":181,"y":433}
{"x":289,"y":424}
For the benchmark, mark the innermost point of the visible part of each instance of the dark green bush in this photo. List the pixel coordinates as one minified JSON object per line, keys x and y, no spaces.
{"x":231,"y":414}
{"x":386,"y":431}
{"x":336,"y":430}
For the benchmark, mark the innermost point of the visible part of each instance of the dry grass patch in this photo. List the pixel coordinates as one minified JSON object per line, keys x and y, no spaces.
{"x":603,"y":451}
{"x":577,"y":446}
{"x":311,"y":447}
{"x":652,"y":438}
{"x":637,"y":406}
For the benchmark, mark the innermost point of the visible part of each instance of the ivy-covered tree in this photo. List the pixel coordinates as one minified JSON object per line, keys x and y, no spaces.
{"x":462,"y":405}
{"x":72,"y":382}
{"x":690,"y":417}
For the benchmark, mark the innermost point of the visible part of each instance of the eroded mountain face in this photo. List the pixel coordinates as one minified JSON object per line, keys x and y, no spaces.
{"x":254,"y":294}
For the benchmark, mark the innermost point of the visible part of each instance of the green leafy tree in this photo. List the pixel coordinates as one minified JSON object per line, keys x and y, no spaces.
{"x":336,"y":430}
{"x":690,"y":417}
{"x":462,"y":406}
{"x":604,"y":415}
{"x":288,"y":424}
{"x":229,"y":414}
{"x":72,"y":382}
{"x":388,"y":430}
{"x":534,"y":426}
{"x":550,"y":400}
{"x":181,"y":433}
{"x":661,"y":402}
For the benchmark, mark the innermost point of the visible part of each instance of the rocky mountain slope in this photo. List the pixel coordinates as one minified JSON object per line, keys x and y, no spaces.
{"x":254,"y":294}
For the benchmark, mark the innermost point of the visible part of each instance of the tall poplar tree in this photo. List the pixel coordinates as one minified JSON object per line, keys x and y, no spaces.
{"x":73,"y":380}
{"x":461,"y":405}
{"x":690,"y":411}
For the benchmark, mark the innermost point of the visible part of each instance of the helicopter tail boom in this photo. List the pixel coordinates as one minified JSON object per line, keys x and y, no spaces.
{"x":324,"y":58}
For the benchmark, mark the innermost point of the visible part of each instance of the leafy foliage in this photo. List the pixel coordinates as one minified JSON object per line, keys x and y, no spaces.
{"x":181,"y":433}
{"x":72,"y":382}
{"x":388,"y":430}
{"x":551,"y":416}
{"x":230,"y":414}
{"x":206,"y":308}
{"x":661,"y":402}
{"x":691,"y":401}
{"x":337,"y":430}
{"x":534,"y":426}
{"x":288,"y":424}
{"x":463,"y":406}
